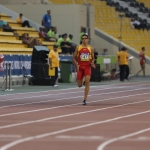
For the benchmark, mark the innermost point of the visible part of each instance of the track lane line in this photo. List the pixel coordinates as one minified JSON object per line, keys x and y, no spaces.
{"x":67,"y":92}
{"x":104,"y":144}
{"x":72,"y":88}
{"x":7,"y":146}
{"x":68,"y":115}
{"x":46,"y":101}
{"x":44,"y":109}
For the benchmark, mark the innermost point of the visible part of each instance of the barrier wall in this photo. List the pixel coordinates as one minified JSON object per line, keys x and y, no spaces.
{"x":18,"y":61}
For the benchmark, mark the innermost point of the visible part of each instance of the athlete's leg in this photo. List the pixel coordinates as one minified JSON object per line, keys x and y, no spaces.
{"x":79,"y":83}
{"x":80,"y":76}
{"x":140,"y":70}
{"x":87,"y":86}
{"x":143,"y":68}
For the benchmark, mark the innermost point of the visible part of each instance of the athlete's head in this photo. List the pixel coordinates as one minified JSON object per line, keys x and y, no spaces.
{"x":85,"y":39}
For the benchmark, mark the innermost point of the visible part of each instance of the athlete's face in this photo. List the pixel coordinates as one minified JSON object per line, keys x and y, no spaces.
{"x":84,"y":39}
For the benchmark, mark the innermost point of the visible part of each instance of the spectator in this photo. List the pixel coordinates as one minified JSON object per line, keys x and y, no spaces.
{"x":24,"y":23}
{"x":30,"y":41}
{"x":7,"y":28}
{"x":3,"y":23}
{"x":104,"y":52}
{"x":52,"y":34}
{"x":46,"y":20}
{"x":73,"y":46}
{"x":123,"y":63}
{"x":69,"y":39}
{"x":65,"y":46}
{"x":60,"y":40}
{"x":54,"y":64}
{"x":83,"y":30}
{"x":132,"y":23}
{"x":43,"y":34}
{"x":137,"y":24}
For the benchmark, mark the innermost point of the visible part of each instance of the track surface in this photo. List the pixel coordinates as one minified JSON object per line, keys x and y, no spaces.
{"x":116,"y":117}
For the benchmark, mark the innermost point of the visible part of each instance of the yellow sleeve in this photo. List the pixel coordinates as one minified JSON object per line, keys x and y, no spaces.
{"x":19,"y":20}
{"x":50,"y":54}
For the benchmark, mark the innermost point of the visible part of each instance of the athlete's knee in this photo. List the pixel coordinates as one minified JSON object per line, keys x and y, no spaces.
{"x":87,"y":82}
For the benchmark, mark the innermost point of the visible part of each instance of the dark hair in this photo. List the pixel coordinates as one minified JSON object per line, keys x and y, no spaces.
{"x":55,"y":46}
{"x":123,"y":48}
{"x":143,"y":48}
{"x":85,"y":35}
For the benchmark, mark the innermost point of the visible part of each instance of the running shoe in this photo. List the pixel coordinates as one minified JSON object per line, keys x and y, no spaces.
{"x":84,"y":102}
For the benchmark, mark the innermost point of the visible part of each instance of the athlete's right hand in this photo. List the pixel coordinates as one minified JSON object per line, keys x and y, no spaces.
{"x":77,"y":67}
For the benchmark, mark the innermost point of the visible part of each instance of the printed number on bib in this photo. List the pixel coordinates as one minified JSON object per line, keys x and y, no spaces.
{"x":85,"y":56}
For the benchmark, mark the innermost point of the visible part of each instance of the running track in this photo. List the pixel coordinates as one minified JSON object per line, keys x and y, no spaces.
{"x":117,"y":117}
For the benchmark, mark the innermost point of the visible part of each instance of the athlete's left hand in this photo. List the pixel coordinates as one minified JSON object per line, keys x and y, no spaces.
{"x":93,"y":65}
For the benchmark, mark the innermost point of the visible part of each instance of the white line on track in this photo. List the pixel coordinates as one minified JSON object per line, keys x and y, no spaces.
{"x":70,"y":89}
{"x":9,"y":136}
{"x":7,"y":146}
{"x":46,"y":101}
{"x":68,"y":115}
{"x":68,"y":137}
{"x":30,"y":97}
{"x":103,"y":145}
{"x":74,"y":88}
{"x":44,"y":109}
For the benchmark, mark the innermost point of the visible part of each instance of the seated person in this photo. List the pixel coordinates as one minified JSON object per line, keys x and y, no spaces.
{"x":52,"y":34}
{"x":43,"y":34}
{"x":7,"y":28}
{"x":60,"y":39}
{"x":30,"y":41}
{"x":132,"y":23}
{"x":24,"y":23}
{"x":3,"y":23}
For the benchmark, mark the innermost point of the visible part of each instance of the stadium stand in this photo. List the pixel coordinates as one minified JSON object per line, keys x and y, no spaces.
{"x":12,"y":44}
{"x":107,"y":19}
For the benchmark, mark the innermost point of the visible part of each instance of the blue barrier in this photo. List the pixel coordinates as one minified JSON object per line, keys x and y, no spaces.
{"x":18,"y":61}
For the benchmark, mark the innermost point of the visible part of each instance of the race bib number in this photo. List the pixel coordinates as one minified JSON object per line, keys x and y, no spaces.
{"x":85,"y":56}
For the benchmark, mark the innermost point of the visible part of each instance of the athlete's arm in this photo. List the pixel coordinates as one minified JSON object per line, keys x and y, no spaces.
{"x":144,"y":57}
{"x":74,"y":58}
{"x":92,"y":55}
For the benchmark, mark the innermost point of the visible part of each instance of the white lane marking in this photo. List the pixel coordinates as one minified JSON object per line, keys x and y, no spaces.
{"x":68,"y":115}
{"x":59,"y":90}
{"x":9,"y":136}
{"x":143,"y":138}
{"x":30,"y":97}
{"x":103,"y":145}
{"x":68,"y":98}
{"x":138,"y":82}
{"x":80,"y":137}
{"x":44,"y":109}
{"x":7,"y":146}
